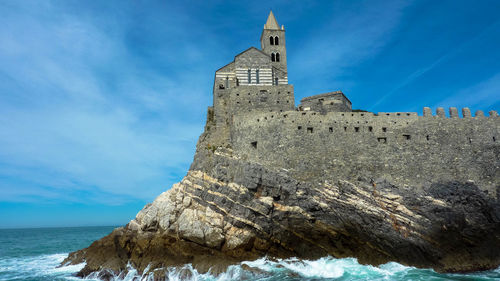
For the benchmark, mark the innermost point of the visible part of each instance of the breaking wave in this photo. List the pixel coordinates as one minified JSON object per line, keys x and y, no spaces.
{"x":45,"y":268}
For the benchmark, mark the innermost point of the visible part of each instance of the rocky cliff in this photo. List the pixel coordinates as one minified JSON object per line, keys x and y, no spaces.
{"x":229,"y":208}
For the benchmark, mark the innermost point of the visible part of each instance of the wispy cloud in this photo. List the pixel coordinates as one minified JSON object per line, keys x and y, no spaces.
{"x":484,"y":95}
{"x":354,"y":34}
{"x":84,"y":118}
{"x":422,"y":71}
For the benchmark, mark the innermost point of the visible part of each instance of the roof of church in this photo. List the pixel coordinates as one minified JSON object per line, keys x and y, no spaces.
{"x":271,"y":22}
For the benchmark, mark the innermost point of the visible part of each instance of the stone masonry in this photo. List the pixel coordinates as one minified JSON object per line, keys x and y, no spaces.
{"x":255,"y":115}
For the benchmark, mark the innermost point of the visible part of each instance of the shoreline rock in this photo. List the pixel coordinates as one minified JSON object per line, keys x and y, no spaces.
{"x":450,"y":227}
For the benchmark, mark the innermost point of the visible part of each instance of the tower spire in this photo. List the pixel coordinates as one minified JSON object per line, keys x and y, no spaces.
{"x":271,"y":22}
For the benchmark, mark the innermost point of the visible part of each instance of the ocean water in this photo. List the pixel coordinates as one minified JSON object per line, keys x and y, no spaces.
{"x":33,"y":254}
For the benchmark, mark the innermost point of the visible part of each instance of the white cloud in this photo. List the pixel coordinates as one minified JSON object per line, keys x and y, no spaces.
{"x":80,"y":114}
{"x":351,"y":37}
{"x":484,"y":95}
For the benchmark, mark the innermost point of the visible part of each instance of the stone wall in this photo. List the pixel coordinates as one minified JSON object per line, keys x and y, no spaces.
{"x":329,"y":102}
{"x":254,"y":98}
{"x":401,"y":147}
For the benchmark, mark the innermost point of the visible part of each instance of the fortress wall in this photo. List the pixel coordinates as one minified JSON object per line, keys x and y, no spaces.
{"x":244,"y":99}
{"x":238,"y":100}
{"x":405,"y":148}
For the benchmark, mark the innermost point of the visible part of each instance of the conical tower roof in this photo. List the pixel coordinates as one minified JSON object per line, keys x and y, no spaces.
{"x":271,"y":22}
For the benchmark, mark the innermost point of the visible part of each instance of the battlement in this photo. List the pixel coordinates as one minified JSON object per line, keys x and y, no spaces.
{"x":345,"y":144}
{"x":254,"y":113}
{"x":453,"y":111}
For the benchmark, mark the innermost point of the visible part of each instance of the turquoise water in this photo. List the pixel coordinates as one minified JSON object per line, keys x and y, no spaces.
{"x":33,"y":254}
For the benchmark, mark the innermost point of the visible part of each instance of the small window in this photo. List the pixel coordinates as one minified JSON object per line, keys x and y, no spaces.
{"x":330,"y":129}
{"x":277,"y":101}
{"x":494,"y":139}
{"x":257,"y":79}
{"x":407,"y":137}
{"x":276,"y":81}
{"x":370,"y":129}
{"x":249,"y":76}
{"x":254,"y":144}
{"x":427,"y":137}
{"x":309,"y":129}
{"x":382,"y":140}
{"x":299,"y":128}
{"x":227,"y":82}
{"x":303,"y":113}
{"x":345,"y":129}
{"x":277,"y":57}
{"x":356,"y":129}
{"x":285,"y":116}
{"x":384,"y":129}
{"x":271,"y":40}
{"x":398,"y":114}
{"x":273,"y":57}
{"x":276,"y":40}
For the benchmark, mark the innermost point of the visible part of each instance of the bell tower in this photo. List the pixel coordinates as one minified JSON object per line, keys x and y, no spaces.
{"x":272,"y":42}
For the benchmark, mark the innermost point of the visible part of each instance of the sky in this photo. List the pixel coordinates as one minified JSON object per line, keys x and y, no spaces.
{"x":102,"y":102}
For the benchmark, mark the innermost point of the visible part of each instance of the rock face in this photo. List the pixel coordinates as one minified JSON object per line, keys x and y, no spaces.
{"x":271,"y":179}
{"x":228,"y":209}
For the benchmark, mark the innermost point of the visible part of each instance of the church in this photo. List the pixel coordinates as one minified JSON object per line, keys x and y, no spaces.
{"x":257,"y":81}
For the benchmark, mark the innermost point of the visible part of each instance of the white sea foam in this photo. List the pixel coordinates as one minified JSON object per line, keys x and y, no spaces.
{"x":38,"y":267}
{"x":45,"y":268}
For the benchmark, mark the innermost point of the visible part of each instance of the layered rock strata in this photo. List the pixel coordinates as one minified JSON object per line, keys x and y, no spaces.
{"x":231,"y":210}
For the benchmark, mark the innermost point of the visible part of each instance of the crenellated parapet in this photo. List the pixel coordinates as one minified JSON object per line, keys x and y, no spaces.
{"x":466,"y":113}
{"x":416,"y":148}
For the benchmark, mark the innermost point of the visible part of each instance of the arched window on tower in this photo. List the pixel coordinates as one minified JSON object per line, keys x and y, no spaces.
{"x":271,"y":40}
{"x":249,"y":76}
{"x":277,"y":56}
{"x":276,"y":40}
{"x":257,"y":80}
{"x":272,"y":57}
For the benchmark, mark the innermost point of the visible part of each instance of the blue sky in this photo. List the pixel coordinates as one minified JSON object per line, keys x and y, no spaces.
{"x":101,"y":102}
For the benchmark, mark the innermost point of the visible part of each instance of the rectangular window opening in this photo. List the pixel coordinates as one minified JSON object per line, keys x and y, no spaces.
{"x":254,"y":144}
{"x":407,"y":137}
{"x":384,"y":129}
{"x":299,"y":128}
{"x":427,"y":137}
{"x":356,"y":129}
{"x":345,"y":129}
{"x":309,"y":129}
{"x":330,"y":129}
{"x":370,"y":128}
{"x":382,"y":140}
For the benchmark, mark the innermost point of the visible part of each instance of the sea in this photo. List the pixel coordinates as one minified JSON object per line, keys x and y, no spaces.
{"x":34,"y":254}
